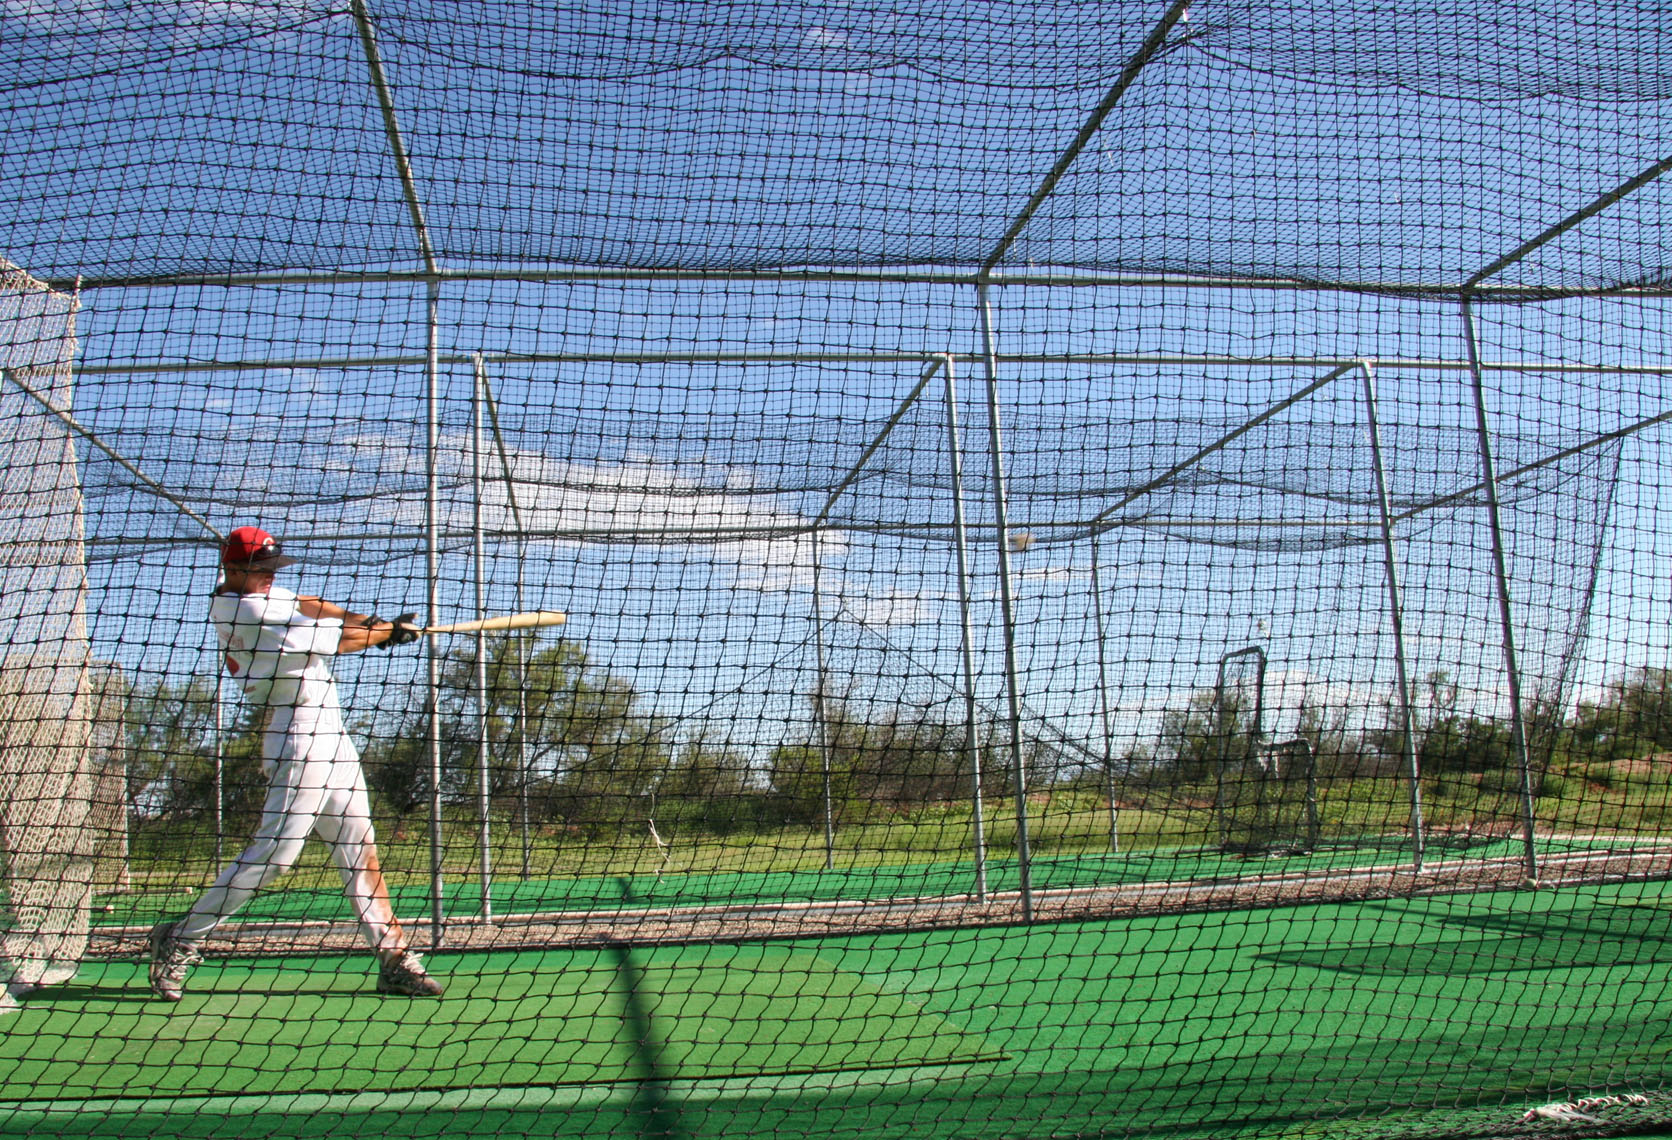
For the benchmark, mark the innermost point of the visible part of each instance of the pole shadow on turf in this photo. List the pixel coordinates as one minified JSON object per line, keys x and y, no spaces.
{"x":651,"y":1102}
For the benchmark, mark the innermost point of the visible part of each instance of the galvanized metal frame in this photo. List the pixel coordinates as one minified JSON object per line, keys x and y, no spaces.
{"x":1396,"y":616}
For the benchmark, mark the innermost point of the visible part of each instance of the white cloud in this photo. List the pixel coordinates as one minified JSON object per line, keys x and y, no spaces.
{"x":122,"y":25}
{"x":778,"y":565}
{"x":49,"y":16}
{"x":891,"y":609}
{"x":1053,"y":574}
{"x":818,"y":37}
{"x":636,"y":500}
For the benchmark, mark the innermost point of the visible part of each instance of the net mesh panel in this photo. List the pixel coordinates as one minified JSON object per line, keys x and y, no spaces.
{"x":107,"y":805}
{"x":944,"y":426}
{"x":1269,"y":804}
{"x":46,"y":708}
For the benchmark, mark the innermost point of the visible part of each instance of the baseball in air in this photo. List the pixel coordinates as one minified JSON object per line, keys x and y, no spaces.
{"x":1020,"y":541}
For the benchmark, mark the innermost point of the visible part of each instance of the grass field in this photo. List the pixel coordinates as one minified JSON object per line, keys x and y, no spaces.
{"x":1605,"y":798}
{"x":313,"y":893}
{"x":1164,"y":835}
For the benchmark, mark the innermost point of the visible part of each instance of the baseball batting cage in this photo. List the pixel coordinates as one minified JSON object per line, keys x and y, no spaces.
{"x":1116,"y":556}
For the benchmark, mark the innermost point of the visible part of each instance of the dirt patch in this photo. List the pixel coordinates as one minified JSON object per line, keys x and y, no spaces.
{"x":762,"y":921}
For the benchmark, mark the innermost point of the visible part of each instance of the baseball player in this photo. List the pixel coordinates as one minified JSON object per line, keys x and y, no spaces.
{"x":278,"y":646}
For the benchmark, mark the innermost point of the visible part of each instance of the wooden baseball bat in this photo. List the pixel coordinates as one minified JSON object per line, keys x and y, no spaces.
{"x":531,"y":620}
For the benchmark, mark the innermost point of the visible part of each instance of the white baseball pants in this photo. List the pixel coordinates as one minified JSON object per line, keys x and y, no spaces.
{"x":315,"y":787}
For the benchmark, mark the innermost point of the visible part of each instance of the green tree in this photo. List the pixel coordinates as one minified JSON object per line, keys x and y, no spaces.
{"x":1632,"y":718}
{"x":170,"y":737}
{"x":896,"y":758}
{"x":398,"y":767}
{"x":574,"y":732}
{"x":709,"y":786}
{"x":1212,"y":730}
{"x":798,"y":771}
{"x":1449,"y":740}
{"x":1336,"y":750}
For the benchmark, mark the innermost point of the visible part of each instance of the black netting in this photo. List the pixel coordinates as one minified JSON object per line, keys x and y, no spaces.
{"x":1348,"y":144}
{"x":1111,"y":562}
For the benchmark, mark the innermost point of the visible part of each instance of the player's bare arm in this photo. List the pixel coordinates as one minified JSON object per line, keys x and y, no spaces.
{"x":361,"y":631}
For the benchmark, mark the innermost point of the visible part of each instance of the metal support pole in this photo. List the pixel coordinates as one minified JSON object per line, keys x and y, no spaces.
{"x":1396,"y":614}
{"x":972,"y":741}
{"x":220,"y":776}
{"x":484,"y":801}
{"x":1153,"y":46}
{"x":432,"y":367}
{"x":821,"y":710}
{"x":432,"y":573}
{"x":122,"y":461}
{"x":1103,"y":701}
{"x":397,"y":145}
{"x":1222,"y":732}
{"x":1007,"y":603}
{"x":524,"y":775}
{"x":1500,"y":571}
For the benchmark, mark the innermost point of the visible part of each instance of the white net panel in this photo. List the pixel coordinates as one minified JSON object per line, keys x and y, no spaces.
{"x":46,"y":708}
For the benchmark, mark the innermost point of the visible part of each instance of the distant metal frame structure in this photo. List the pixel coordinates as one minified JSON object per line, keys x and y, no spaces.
{"x":1378,"y":529}
{"x":1221,"y":736}
{"x":433,"y":274}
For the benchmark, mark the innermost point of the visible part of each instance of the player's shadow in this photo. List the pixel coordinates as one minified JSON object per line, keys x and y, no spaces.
{"x":85,"y":993}
{"x":79,"y":993}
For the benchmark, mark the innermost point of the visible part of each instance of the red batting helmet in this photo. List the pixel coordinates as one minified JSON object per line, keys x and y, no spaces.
{"x":251,"y":548}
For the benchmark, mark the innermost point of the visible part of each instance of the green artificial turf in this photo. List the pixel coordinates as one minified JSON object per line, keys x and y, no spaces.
{"x":1432,"y":1016}
{"x":316,"y":1025}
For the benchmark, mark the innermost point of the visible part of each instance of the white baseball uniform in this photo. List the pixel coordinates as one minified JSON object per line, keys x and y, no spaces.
{"x":280,"y":657}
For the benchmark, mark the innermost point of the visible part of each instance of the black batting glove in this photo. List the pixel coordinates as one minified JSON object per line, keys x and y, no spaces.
{"x":405,"y":631}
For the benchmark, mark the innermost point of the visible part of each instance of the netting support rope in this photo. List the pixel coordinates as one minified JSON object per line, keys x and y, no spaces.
{"x":960,"y":542}
{"x":120,"y":460}
{"x":1500,"y":571}
{"x":1396,"y":614}
{"x":1007,"y":602}
{"x":506,"y":470}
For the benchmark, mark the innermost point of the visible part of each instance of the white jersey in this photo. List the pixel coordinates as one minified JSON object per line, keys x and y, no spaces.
{"x":278,"y":654}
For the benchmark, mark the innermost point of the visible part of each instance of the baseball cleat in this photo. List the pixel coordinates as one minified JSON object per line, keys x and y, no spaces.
{"x":171,"y":960}
{"x":404,"y":975}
